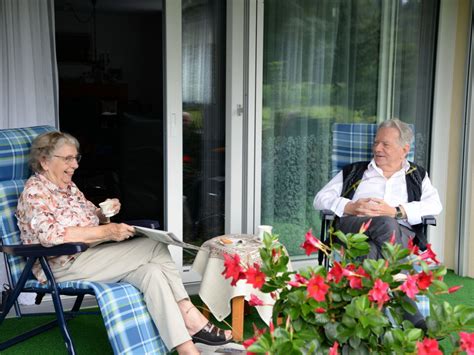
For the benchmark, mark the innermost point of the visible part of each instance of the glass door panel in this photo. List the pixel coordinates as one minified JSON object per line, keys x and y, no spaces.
{"x":329,"y":61}
{"x":203,"y":91}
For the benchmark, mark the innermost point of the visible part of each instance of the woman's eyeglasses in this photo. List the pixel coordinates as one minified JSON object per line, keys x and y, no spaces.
{"x":70,"y":158}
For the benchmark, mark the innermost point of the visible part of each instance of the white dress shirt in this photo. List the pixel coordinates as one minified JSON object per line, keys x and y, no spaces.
{"x":392,"y":190}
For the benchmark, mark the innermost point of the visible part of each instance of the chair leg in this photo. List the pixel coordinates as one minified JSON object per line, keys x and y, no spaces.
{"x":77,"y":303}
{"x":58,"y":307}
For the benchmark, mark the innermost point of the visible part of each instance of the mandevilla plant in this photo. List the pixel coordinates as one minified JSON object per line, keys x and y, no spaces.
{"x":355,"y":307}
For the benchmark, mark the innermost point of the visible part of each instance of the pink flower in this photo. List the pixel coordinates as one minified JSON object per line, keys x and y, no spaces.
{"x":379,"y":293}
{"x":333,"y":349}
{"x":255,"y":301}
{"x":410,"y":287}
{"x":467,"y":342}
{"x":428,"y":347}
{"x":355,"y":279}
{"x":392,"y":238}
{"x":320,"y":310}
{"x":233,"y":269}
{"x":255,"y":277}
{"x":298,"y":281}
{"x":429,"y":254}
{"x":365,"y":226}
{"x":317,"y":288}
{"x":424,"y":280}
{"x":311,"y":243}
{"x":336,"y":273}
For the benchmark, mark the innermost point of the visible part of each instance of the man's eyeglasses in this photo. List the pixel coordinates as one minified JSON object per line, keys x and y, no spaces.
{"x":70,"y":158}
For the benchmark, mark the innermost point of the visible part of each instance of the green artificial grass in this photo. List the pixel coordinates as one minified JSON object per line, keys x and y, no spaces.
{"x":90,"y":337}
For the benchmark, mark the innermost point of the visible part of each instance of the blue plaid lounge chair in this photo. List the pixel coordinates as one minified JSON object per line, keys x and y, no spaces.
{"x":352,"y":142}
{"x":126,"y":318}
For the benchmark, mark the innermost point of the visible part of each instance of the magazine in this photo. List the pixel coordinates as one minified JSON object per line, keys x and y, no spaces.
{"x":164,"y":237}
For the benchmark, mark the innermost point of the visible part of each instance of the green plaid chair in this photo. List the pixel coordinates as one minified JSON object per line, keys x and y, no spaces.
{"x":129,"y":326}
{"x":352,"y":142}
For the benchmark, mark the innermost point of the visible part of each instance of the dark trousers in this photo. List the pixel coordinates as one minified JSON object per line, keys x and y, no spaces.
{"x":379,"y":232}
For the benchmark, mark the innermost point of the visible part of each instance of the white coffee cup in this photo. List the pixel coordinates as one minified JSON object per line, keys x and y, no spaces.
{"x":262,"y":230}
{"x":107,"y":208}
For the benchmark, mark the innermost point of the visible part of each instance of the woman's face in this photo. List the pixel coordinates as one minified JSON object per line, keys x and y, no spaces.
{"x":60,"y":167}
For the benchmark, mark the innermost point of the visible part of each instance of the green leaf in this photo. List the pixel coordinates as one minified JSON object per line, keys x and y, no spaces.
{"x":330,"y":329}
{"x":414,"y":334}
{"x":354,"y":342}
{"x":407,"y":306}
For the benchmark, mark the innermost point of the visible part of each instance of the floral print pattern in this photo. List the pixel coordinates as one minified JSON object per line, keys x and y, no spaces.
{"x":44,"y":213}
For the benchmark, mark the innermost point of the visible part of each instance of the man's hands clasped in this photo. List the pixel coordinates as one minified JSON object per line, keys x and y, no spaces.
{"x":369,"y":207}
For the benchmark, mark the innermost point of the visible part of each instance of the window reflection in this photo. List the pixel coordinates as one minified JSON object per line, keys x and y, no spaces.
{"x":203,"y":119}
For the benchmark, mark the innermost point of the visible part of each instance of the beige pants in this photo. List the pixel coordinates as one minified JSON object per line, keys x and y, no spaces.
{"x":147,"y":265}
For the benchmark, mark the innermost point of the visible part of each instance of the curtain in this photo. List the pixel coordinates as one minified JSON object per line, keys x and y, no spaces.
{"x":198,"y":50}
{"x":28,"y":73}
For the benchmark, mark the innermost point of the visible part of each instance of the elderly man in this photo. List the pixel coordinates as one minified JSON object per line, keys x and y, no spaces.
{"x":391,"y":191}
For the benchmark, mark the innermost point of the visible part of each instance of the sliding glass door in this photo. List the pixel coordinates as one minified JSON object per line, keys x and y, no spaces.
{"x":328,"y":61}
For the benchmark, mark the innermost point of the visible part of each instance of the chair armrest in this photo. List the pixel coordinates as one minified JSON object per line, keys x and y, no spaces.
{"x":428,"y":220}
{"x":328,"y":215}
{"x":39,"y":250}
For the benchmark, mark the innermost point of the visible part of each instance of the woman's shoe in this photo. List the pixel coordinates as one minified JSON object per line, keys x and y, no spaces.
{"x":211,"y":335}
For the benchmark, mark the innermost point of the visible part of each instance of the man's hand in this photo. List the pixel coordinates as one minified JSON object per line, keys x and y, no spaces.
{"x":369,"y":207}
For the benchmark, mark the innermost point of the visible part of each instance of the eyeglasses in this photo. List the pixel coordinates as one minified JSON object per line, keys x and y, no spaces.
{"x":70,"y":158}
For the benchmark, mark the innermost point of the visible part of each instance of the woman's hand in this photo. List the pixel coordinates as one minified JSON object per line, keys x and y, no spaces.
{"x":119,"y":231}
{"x":113,"y":207}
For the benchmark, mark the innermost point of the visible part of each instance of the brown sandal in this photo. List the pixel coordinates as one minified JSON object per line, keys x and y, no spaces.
{"x":211,"y":335}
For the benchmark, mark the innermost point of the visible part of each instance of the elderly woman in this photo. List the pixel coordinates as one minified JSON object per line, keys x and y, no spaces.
{"x":52,"y":211}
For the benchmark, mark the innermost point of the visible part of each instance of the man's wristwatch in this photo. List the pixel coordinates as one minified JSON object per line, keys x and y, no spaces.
{"x":399,"y":213}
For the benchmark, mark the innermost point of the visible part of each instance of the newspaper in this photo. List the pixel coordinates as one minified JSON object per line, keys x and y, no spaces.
{"x":164,"y":237}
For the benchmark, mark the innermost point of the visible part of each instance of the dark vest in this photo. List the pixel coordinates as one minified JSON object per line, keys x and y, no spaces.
{"x":352,"y":176}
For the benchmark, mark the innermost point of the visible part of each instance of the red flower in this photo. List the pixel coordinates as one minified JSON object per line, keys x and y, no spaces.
{"x":467,"y":342}
{"x":255,"y":276}
{"x":413,"y":248}
{"x":410,"y":287}
{"x":429,"y":254}
{"x":379,"y":293}
{"x":247,"y":343}
{"x":255,"y":301}
{"x":365,"y":226}
{"x":232,"y":268}
{"x":320,"y":310}
{"x":311,"y":243}
{"x":333,"y":349}
{"x":392,"y":238}
{"x":454,"y":289}
{"x":428,"y":347}
{"x":317,"y":288}
{"x":424,"y":280}
{"x":355,"y":278}
{"x":336,"y":273}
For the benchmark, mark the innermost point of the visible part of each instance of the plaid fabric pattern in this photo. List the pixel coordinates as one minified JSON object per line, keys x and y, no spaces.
{"x":15,"y":149}
{"x":423,"y":304}
{"x":352,"y":142}
{"x":129,"y":326}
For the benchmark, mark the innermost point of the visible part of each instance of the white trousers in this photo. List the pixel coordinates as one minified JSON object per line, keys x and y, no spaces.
{"x":148,"y":266}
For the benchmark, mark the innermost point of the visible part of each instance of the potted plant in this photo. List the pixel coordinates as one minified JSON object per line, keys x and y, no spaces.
{"x":355,"y":306}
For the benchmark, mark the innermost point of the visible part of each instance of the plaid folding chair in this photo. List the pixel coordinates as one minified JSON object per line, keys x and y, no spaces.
{"x":129,"y":326}
{"x":352,"y":142}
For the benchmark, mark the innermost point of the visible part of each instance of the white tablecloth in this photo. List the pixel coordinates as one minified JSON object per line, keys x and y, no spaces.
{"x":216,"y":291}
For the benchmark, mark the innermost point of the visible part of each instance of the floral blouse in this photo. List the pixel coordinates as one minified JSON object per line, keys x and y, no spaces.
{"x":45,"y":211}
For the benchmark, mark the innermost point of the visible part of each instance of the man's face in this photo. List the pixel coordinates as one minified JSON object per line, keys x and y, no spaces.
{"x":388,"y":153}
